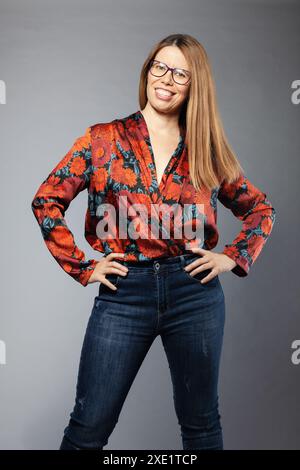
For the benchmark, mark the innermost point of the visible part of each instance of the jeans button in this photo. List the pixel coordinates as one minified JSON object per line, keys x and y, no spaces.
{"x":156,"y":266}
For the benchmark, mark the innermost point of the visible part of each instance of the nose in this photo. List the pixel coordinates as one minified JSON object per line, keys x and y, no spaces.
{"x":168,"y":76}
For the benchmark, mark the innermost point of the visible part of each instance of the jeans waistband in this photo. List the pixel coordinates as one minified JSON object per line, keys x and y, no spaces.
{"x":168,"y":263}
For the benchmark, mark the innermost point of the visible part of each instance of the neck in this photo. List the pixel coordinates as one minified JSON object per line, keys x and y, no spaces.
{"x":159,"y":122}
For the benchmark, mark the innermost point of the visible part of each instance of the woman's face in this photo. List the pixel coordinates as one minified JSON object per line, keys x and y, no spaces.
{"x":173,"y":57}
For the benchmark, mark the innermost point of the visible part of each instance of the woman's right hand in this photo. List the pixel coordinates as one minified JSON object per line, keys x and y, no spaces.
{"x":106,"y":265}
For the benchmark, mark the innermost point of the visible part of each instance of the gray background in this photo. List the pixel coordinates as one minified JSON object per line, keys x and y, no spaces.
{"x":53,"y":58}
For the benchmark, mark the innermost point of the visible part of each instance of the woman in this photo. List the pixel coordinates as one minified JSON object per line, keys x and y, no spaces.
{"x":153,"y":181}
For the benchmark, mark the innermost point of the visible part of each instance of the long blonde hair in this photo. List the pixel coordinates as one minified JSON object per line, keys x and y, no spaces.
{"x":211,"y":160}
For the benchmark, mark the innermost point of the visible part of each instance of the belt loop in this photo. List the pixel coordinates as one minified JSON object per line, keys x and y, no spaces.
{"x":182,"y":260}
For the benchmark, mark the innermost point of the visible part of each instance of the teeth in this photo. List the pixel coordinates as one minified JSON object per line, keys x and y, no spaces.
{"x":164,"y":92}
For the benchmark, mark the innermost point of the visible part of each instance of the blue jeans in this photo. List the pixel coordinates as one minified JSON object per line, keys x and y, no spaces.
{"x":155,"y":297}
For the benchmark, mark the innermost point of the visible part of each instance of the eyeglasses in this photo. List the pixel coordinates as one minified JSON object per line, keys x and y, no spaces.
{"x":158,"y":69}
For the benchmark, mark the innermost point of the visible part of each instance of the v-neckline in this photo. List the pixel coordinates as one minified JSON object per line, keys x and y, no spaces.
{"x":177,"y":152}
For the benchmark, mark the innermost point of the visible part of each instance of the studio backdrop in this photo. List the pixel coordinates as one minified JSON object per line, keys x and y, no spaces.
{"x":66,"y":65}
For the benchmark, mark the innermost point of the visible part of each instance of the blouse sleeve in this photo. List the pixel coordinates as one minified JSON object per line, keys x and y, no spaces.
{"x":70,"y":176}
{"x":250,"y":205}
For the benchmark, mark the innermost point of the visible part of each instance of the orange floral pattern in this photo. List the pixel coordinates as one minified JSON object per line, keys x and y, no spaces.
{"x":114,"y":161}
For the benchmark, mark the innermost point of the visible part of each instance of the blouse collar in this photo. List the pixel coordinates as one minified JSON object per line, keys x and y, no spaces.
{"x":139,"y":118}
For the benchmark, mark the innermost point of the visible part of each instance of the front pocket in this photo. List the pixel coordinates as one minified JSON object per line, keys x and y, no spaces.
{"x":199,"y":276}
{"x":113,"y":278}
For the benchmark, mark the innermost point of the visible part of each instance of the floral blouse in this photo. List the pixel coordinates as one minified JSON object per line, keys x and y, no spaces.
{"x":114,"y":161}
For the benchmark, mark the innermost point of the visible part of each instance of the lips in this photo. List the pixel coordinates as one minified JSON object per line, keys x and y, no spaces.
{"x":164,"y":92}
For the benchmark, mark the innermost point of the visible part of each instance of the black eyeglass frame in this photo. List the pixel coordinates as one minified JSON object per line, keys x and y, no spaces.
{"x":169,"y":68}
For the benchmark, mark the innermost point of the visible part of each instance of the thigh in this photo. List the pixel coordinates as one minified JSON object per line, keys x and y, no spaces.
{"x":112,"y":352}
{"x":192,"y":338}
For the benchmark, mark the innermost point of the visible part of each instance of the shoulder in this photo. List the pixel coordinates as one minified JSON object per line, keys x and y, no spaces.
{"x":106,"y":129}
{"x":101,"y":130}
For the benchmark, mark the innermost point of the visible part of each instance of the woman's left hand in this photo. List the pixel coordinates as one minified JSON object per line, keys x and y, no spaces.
{"x":217,"y":262}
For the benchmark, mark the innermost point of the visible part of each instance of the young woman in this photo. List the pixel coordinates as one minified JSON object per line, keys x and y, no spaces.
{"x":153,"y":181}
